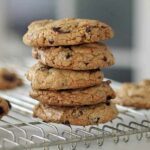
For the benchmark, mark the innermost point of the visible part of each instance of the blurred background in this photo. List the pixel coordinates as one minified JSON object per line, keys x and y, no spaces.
{"x":130,"y":20}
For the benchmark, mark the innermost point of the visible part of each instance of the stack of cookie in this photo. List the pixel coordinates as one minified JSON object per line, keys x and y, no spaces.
{"x":67,"y":79}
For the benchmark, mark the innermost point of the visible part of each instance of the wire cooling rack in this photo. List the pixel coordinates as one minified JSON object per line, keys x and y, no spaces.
{"x":19,"y":130}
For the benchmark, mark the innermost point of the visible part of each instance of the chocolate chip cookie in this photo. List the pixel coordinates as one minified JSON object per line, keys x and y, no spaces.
{"x":44,"y":77}
{"x":9,"y":79}
{"x":69,"y":31}
{"x":83,"y":115}
{"x":81,"y":57}
{"x":86,"y":96}
{"x":134,"y":95}
{"x":4,"y":107}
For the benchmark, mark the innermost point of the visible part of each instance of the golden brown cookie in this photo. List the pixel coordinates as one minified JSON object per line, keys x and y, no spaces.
{"x":80,"y":57}
{"x":69,"y":31}
{"x":44,"y":77}
{"x":83,"y":115}
{"x":134,"y":95}
{"x":86,"y":96}
{"x":9,"y":79}
{"x":4,"y":107}
{"x":145,"y":82}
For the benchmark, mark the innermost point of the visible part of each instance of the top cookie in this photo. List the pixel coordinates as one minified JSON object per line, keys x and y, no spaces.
{"x":134,"y":95}
{"x":69,"y":31}
{"x":9,"y":79}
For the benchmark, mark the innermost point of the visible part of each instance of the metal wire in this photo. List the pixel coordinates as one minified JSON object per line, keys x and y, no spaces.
{"x":19,"y":130}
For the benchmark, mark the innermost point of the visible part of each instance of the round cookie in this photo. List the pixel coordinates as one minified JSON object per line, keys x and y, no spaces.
{"x":44,"y":77}
{"x":69,"y":31}
{"x":86,"y":96}
{"x":81,"y":57}
{"x":8,"y":79}
{"x":4,"y":107}
{"x":145,"y":82}
{"x":134,"y":95}
{"x":83,"y":115}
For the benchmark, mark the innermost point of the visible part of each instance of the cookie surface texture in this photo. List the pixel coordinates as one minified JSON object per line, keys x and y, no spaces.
{"x":84,"y":115}
{"x":67,"y":31}
{"x":44,"y":77}
{"x":86,"y":96}
{"x":81,"y":57}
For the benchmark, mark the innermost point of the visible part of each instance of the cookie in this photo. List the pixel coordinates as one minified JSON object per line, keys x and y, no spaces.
{"x":4,"y":107}
{"x":69,"y":31}
{"x":86,"y":96}
{"x":44,"y":77}
{"x":145,"y":82}
{"x":81,"y":57}
{"x":9,"y":79}
{"x":134,"y":95}
{"x":83,"y":115}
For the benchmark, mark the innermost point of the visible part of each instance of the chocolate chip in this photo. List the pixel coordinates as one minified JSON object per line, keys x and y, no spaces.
{"x":66,"y":122}
{"x":105,"y":58}
{"x":44,"y":39}
{"x":96,"y":120}
{"x":103,"y":27}
{"x":37,"y":56}
{"x":76,"y":113}
{"x":1,"y":110}
{"x":81,"y":113}
{"x":56,"y":29}
{"x":107,"y":102}
{"x":68,"y":55}
{"x":51,"y":41}
{"x":108,"y":81}
{"x":9,"y":77}
{"x":92,"y":71}
{"x":109,"y":97}
{"x":88,"y":29}
{"x":69,"y":47}
{"x":86,"y":64}
{"x":9,"y":104}
{"x":83,"y":36}
{"x":59,"y":30}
